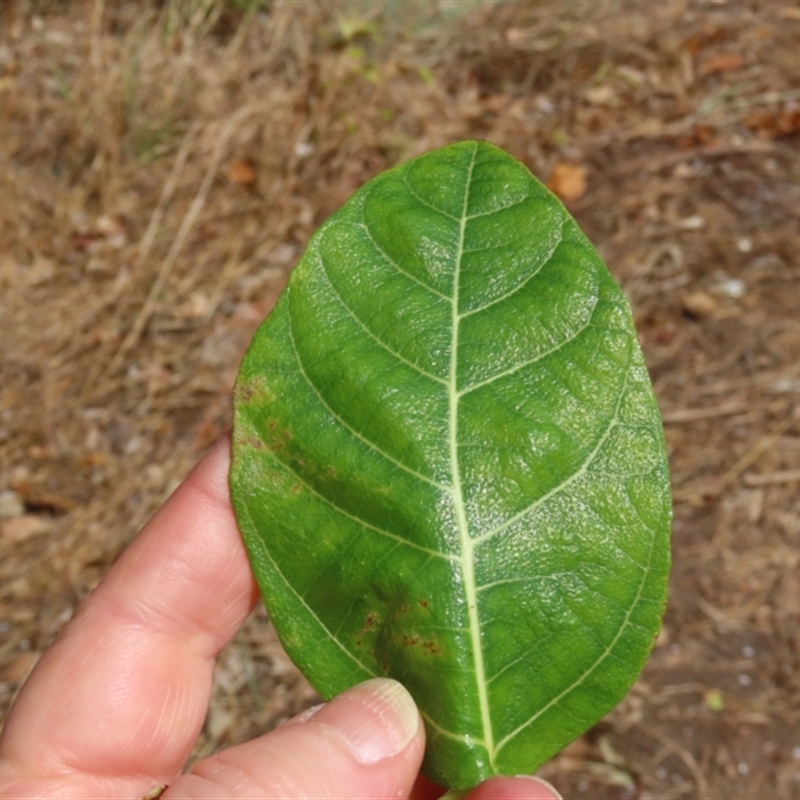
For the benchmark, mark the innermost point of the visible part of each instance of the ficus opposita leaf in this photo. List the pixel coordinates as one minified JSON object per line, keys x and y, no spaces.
{"x":449,"y":466}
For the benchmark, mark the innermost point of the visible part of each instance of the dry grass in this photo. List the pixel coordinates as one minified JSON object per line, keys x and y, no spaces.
{"x":161,"y":168}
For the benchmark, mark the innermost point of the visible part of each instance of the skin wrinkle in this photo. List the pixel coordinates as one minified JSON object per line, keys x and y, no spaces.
{"x":65,"y":754}
{"x":277,"y":778}
{"x":178,"y":704}
{"x":152,"y":727}
{"x":77,"y":786}
{"x":151,"y":616}
{"x":221,"y":770}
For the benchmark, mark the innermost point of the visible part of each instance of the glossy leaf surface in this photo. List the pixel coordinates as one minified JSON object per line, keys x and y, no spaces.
{"x":449,"y":465}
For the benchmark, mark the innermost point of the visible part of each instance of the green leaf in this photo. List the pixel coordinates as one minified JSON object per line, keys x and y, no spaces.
{"x":449,"y":466}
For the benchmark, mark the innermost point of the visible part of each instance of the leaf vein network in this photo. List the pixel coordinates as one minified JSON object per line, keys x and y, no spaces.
{"x":538,"y":357}
{"x":528,"y":650}
{"x":459,"y":737}
{"x":522,"y":284}
{"x":578,"y":473}
{"x":371,"y":445}
{"x":425,"y":203}
{"x":497,"y":210}
{"x":389,"y":260}
{"x":351,"y":313}
{"x":608,"y":651}
{"x":260,"y":544}
{"x":526,"y":579}
{"x":364,"y":524}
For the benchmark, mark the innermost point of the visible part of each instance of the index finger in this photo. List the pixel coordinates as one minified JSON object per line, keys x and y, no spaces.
{"x":123,"y":693}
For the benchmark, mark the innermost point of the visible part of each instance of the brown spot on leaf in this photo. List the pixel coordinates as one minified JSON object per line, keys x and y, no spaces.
{"x":247,"y":392}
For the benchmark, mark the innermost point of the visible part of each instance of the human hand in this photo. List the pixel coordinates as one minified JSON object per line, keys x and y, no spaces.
{"x":113,"y":709}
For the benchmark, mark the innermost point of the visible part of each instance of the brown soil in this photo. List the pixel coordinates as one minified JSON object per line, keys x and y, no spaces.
{"x":161,"y":168}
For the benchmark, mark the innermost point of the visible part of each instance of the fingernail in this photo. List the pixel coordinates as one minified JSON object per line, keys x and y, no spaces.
{"x":382,"y":725}
{"x":543,"y":783}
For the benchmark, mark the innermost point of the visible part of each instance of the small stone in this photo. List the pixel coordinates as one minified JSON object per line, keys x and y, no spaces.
{"x":24,"y":527}
{"x":699,"y":304}
{"x":11,"y":504}
{"x":693,"y":223}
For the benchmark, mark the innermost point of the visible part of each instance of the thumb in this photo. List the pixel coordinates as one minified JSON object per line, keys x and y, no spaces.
{"x":366,"y":743}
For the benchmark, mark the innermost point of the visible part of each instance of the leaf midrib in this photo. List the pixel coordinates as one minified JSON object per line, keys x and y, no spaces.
{"x":466,"y":555}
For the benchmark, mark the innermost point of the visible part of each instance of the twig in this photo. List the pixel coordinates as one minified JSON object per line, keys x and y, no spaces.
{"x":166,"y":193}
{"x":123,"y":279}
{"x":766,"y":99}
{"x":177,"y":245}
{"x":757,"y":450}
{"x":672,"y":158}
{"x":95,"y":29}
{"x":684,"y":415}
{"x":715,"y":487}
{"x":685,"y":756}
{"x":769,"y":478}
{"x":774,"y":377}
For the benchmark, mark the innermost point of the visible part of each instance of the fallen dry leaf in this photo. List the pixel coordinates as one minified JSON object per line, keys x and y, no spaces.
{"x":724,"y":62}
{"x":772,"y":124}
{"x":242,"y":172}
{"x":568,"y":181}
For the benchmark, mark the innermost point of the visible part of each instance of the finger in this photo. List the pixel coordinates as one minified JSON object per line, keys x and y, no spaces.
{"x":124,"y":691}
{"x":367,"y":743}
{"x":520,"y":788}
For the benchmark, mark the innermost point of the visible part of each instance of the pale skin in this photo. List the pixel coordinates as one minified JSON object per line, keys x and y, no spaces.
{"x":114,"y":707}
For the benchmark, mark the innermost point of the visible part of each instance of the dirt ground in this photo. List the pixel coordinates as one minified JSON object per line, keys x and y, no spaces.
{"x":162,"y":165}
